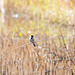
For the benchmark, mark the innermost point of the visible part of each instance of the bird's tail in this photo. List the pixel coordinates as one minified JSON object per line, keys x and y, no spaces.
{"x":34,"y":44}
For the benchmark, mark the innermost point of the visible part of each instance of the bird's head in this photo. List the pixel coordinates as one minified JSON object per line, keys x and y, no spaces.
{"x":31,"y":35}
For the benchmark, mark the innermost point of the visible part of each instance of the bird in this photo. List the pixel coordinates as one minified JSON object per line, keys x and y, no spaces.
{"x":32,"y":40}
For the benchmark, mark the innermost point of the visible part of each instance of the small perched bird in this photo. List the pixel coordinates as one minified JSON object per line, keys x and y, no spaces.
{"x":32,"y":40}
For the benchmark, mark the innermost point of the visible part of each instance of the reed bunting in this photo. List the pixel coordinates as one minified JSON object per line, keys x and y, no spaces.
{"x":32,"y":40}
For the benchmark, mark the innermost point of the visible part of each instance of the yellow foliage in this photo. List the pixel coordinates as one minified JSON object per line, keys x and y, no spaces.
{"x":71,"y":3}
{"x":13,"y":29}
{"x":12,"y":35}
{"x":20,"y":33}
{"x":0,"y":27}
{"x":31,"y":22}
{"x":19,"y":3}
{"x":47,"y":32}
{"x":41,"y":33}
{"x":65,"y":41}
{"x":40,"y":1}
{"x":54,"y":10}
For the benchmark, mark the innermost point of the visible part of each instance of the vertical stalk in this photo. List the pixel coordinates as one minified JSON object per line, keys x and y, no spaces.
{"x":1,"y":31}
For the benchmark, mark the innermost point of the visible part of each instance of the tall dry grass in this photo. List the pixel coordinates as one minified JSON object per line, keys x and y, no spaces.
{"x":19,"y":57}
{"x":53,"y":24}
